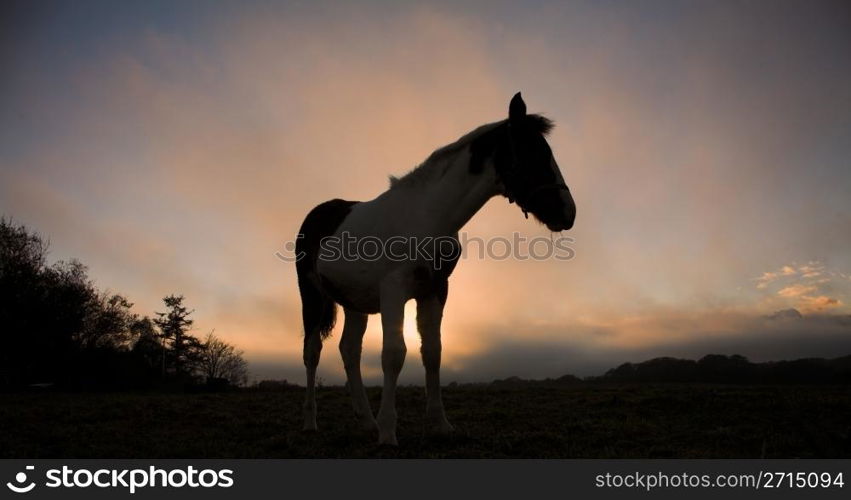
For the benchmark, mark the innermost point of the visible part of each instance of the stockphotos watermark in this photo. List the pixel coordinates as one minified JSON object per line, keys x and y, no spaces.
{"x":124,"y":479}
{"x":439,"y":249}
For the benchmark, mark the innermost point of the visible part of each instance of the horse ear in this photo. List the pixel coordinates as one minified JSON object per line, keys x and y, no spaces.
{"x":517,"y":108}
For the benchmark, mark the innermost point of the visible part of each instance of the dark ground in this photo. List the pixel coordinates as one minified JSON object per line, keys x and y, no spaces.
{"x":582,"y":421}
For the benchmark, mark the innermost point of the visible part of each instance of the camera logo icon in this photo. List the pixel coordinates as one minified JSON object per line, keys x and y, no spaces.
{"x":21,"y":478}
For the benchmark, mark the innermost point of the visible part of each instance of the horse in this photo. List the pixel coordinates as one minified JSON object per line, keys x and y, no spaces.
{"x":432,"y":202}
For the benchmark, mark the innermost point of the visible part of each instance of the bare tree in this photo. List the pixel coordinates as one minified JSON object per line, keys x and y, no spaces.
{"x":222,"y":360}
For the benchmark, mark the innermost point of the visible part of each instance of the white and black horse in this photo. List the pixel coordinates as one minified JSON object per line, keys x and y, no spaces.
{"x":509,"y":158}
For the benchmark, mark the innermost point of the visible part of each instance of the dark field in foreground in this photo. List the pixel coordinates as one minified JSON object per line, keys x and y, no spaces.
{"x":585,"y":421}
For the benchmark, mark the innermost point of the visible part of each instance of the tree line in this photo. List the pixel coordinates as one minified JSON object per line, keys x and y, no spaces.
{"x":57,"y":328}
{"x":735,"y":369}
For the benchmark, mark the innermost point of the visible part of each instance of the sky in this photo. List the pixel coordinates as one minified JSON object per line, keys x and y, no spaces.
{"x":175,"y":147}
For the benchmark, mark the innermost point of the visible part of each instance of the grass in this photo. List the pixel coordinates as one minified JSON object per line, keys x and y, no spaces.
{"x":537,"y":421}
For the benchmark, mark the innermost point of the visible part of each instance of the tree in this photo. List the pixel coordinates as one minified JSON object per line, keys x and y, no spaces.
{"x":108,"y":323}
{"x":220,"y":360}
{"x":183,"y":350}
{"x":21,"y":252}
{"x":148,"y":345}
{"x":22,"y":260}
{"x":56,"y":326}
{"x":42,"y":309}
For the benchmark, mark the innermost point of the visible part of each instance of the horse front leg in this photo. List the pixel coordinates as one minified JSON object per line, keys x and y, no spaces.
{"x":429,"y":316}
{"x":392,"y":358}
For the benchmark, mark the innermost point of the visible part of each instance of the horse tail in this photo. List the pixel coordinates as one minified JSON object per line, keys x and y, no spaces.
{"x":318,"y":310}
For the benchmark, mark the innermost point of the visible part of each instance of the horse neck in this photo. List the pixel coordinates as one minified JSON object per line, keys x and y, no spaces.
{"x":452,"y":199}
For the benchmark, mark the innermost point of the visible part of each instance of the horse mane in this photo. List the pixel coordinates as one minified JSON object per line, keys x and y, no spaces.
{"x":426,"y":170}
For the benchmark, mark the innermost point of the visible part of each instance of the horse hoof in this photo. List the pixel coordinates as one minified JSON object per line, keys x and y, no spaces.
{"x":387,"y":439}
{"x":443,"y":428}
{"x":369,"y":424}
{"x":309,"y":425}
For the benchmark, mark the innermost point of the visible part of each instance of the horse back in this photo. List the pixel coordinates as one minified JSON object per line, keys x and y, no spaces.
{"x":320,"y":223}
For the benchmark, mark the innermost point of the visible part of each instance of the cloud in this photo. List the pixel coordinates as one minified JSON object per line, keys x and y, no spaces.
{"x":796,"y":290}
{"x":819,"y":303}
{"x":809,"y":287}
{"x":768,"y":277}
{"x":765,"y":279}
{"x":812,"y":270}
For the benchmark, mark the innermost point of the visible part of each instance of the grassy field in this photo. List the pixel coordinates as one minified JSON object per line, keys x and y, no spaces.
{"x":585,"y":421}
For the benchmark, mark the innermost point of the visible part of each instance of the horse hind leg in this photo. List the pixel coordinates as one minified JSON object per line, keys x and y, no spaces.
{"x":312,"y":350}
{"x":319,"y":314}
{"x":351,"y":345}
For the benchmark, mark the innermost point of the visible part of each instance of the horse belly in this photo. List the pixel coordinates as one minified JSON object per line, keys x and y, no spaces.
{"x":352,"y":284}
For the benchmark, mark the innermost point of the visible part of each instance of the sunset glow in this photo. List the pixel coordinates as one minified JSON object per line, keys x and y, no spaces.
{"x":176,"y":150}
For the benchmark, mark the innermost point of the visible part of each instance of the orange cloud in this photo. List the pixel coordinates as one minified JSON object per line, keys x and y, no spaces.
{"x":819,"y":303}
{"x":796,"y":290}
{"x":809,"y":288}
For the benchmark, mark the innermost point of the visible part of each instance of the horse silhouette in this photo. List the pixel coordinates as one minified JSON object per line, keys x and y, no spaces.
{"x":430,"y":204}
